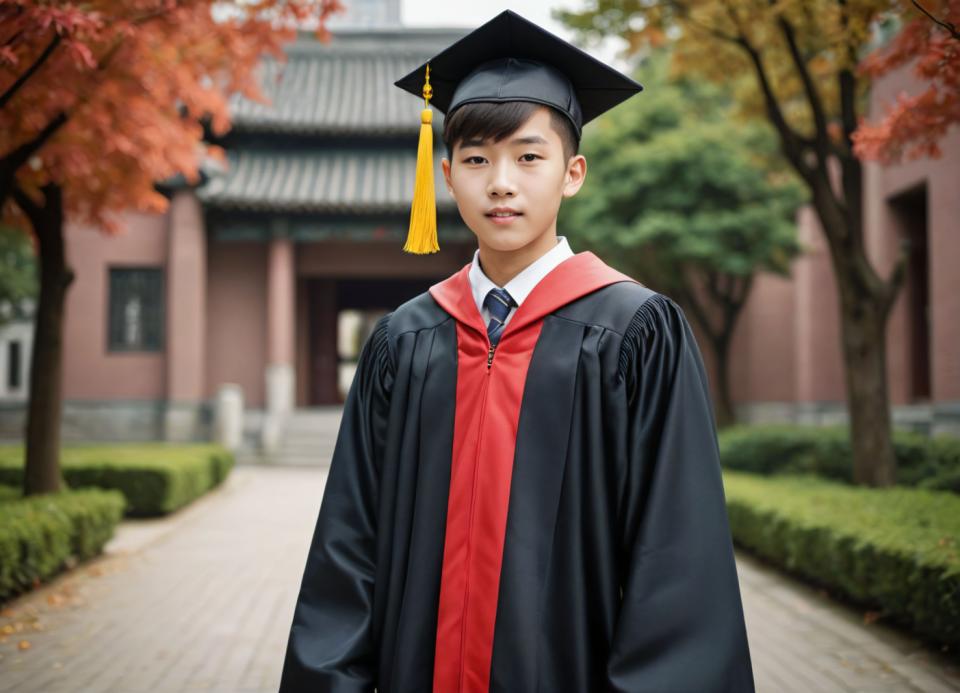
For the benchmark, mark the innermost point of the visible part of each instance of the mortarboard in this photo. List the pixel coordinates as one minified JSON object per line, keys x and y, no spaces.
{"x":507,"y":59}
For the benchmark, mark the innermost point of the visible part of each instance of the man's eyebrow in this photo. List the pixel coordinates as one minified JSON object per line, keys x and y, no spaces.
{"x":532,"y":139}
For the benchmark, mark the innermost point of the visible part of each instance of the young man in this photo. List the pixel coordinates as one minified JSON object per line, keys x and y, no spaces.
{"x":525,"y":494}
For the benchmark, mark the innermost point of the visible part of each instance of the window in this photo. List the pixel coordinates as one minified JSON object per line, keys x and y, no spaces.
{"x":13,"y":365}
{"x":136,"y":309}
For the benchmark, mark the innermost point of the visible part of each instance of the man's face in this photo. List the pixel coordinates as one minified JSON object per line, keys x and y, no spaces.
{"x":524,"y":172}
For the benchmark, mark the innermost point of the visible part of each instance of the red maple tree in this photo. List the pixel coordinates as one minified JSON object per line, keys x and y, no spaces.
{"x":914,"y":124}
{"x":98,"y":101}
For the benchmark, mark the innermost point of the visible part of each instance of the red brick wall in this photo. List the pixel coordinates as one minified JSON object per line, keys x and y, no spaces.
{"x":90,"y":371}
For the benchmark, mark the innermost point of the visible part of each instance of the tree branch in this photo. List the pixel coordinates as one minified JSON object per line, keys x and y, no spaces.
{"x":897,"y":276}
{"x":684,"y":12}
{"x":821,"y":133}
{"x":13,"y":39}
{"x":848,"y":105}
{"x":792,"y":142}
{"x":697,"y":310}
{"x":7,"y":12}
{"x":951,"y":29}
{"x":26,"y":203}
{"x":37,"y":64}
{"x":712,"y":280}
{"x":726,"y":297}
{"x":46,"y":218}
{"x":851,"y":167}
{"x":746,"y":284}
{"x":848,"y":87}
{"x":19,"y":156}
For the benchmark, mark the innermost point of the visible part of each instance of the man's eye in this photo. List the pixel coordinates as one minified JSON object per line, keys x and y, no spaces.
{"x":533,"y":155}
{"x":470,"y":159}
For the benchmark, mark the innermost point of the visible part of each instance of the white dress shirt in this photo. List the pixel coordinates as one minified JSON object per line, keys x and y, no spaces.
{"x":520,"y":286}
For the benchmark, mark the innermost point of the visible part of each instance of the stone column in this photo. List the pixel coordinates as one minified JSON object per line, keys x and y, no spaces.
{"x":228,"y":417}
{"x":280,"y":380}
{"x":186,"y":300}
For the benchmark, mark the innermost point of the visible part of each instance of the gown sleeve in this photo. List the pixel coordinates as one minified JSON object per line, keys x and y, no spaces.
{"x":330,"y":647}
{"x":680,"y":626}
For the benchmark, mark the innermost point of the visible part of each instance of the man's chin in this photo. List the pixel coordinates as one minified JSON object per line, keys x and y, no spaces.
{"x":504,"y":241}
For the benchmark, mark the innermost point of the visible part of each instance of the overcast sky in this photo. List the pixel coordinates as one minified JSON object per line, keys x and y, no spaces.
{"x":459,"y":13}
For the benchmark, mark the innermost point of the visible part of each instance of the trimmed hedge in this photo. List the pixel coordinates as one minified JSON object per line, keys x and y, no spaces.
{"x":156,"y":479}
{"x":932,"y":463}
{"x":894,"y":549}
{"x":42,"y":535}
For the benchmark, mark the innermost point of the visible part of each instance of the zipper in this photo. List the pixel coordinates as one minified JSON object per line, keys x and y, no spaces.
{"x":476,"y":467}
{"x":473,"y":495}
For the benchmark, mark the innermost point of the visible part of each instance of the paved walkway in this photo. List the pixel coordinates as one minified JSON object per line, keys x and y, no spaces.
{"x":203,"y":602}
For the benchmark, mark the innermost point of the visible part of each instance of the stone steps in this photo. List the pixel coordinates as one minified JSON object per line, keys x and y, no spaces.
{"x":309,"y":437}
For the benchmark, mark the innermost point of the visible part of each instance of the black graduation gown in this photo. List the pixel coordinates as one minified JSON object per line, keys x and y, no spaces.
{"x":550,"y":519}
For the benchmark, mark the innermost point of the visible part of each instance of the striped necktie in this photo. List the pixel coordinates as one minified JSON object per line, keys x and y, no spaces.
{"x":498,"y":302}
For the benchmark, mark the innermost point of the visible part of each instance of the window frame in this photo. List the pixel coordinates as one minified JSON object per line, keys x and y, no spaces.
{"x":147,"y":346}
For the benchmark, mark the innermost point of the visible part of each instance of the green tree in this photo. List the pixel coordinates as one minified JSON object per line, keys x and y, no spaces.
{"x":686,"y":199}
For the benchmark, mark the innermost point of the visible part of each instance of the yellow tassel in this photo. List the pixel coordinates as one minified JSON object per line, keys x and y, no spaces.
{"x":422,"y":234}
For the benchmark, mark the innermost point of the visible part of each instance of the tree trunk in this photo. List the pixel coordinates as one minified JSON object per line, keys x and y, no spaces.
{"x":725,"y":413}
{"x":863,"y":336}
{"x":728,"y":306}
{"x":865,"y":301}
{"x":42,"y":471}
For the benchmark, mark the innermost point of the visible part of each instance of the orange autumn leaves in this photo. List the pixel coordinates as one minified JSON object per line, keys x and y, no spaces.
{"x":116,"y":95}
{"x":913,"y":124}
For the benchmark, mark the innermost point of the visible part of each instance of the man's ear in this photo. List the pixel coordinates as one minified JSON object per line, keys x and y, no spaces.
{"x":445,"y":165}
{"x":576,"y":173}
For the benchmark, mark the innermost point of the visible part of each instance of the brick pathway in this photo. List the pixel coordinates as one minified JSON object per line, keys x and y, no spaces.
{"x":203,"y":602}
{"x":801,"y":641}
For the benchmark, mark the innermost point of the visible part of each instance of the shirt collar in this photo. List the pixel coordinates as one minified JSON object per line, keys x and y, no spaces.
{"x":521,"y":285}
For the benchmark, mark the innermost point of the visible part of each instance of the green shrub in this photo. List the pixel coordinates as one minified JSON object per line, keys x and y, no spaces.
{"x":156,"y":479}
{"x":894,"y":549}
{"x":945,"y":453}
{"x":41,"y":535}
{"x":221,"y":463}
{"x":826,"y":452}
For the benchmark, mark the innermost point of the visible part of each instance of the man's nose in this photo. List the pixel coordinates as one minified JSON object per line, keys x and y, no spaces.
{"x":501,"y":183}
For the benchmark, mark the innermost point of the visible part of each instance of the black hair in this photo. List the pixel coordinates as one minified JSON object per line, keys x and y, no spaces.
{"x":495,"y":120}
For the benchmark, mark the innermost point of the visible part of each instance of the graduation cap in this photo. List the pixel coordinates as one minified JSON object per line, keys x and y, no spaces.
{"x":507,"y":59}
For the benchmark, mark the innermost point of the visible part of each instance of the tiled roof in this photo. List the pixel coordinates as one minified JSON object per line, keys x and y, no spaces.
{"x":345,"y":86}
{"x":320,"y":180}
{"x":339,"y":137}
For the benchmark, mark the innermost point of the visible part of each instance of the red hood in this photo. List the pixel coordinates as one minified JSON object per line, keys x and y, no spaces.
{"x":576,"y":276}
